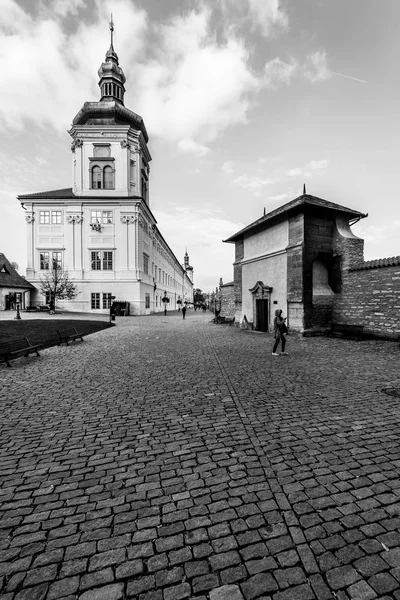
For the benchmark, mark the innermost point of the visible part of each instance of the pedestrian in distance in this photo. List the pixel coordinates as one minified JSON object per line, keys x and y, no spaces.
{"x":183,"y":311}
{"x":280,"y":330}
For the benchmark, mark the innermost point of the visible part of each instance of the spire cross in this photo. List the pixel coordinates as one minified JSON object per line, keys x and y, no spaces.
{"x":112,"y":30}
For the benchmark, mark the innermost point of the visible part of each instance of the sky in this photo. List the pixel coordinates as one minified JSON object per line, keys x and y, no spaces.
{"x":244,"y":102}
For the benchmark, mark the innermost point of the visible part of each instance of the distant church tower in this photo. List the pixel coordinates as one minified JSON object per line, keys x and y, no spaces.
{"x":102,"y":229}
{"x":187,"y":267}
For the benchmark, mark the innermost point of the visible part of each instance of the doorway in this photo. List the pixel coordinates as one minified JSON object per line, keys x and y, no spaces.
{"x":262,"y":315}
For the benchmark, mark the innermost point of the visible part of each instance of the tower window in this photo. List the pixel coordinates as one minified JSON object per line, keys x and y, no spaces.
{"x":102,"y":178}
{"x":108,"y":178}
{"x":96,"y":178}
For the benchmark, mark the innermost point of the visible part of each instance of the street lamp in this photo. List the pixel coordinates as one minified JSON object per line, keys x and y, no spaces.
{"x":112,"y":311}
{"x":165,"y":299}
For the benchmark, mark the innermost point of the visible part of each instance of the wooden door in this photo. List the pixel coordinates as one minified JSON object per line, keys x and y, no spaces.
{"x":262,"y":315}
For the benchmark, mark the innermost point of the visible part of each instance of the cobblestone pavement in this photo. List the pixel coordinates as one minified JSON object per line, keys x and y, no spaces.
{"x":166,"y":459}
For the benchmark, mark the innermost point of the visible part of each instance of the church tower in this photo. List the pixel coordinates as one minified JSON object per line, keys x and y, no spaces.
{"x":102,"y":229}
{"x":110,"y":141}
{"x":187,"y":267}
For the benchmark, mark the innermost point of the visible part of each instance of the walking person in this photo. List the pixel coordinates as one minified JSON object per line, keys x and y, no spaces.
{"x":280,"y":330}
{"x":183,"y":311}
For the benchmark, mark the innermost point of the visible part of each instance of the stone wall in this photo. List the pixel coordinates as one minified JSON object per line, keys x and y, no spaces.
{"x":371,"y":297}
{"x":237,"y":277}
{"x":227,"y":297}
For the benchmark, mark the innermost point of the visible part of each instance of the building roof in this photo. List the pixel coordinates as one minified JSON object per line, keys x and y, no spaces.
{"x":10,"y":278}
{"x":294,"y":205}
{"x":377,"y":263}
{"x":67,"y":194}
{"x":109,"y":113}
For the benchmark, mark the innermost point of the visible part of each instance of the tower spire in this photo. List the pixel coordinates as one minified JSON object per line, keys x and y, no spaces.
{"x":111,"y":75}
{"x":112,"y":33}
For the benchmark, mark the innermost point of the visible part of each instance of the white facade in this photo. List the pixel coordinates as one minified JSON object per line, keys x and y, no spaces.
{"x":102,"y":230}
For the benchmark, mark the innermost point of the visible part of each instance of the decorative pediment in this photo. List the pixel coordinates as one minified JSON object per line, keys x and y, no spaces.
{"x":260,"y":288}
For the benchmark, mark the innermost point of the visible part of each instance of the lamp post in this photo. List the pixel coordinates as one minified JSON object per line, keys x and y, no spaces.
{"x":112,"y":312}
{"x":165,"y":299}
{"x":17,"y":316}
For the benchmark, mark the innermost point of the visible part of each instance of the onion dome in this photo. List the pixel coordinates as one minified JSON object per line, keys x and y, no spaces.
{"x":111,"y":75}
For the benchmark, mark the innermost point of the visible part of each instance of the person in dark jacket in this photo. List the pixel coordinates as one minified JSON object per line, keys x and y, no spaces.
{"x":183,"y":311}
{"x":280,"y":331}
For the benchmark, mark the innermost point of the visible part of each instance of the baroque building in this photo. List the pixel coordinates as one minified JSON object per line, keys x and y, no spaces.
{"x":102,"y":229}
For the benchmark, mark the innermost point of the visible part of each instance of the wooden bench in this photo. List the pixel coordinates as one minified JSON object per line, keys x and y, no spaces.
{"x":44,"y":308}
{"x":17,"y":347}
{"x":68,"y":335}
{"x":32,"y":308}
{"x":354,"y":332}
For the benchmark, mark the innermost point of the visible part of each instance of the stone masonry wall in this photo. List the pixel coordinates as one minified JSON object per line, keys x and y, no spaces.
{"x":227,"y":300}
{"x":237,"y":277}
{"x":371,"y":297}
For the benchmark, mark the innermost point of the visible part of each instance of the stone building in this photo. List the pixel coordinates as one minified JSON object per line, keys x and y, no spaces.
{"x":102,"y":230}
{"x":304,"y":259}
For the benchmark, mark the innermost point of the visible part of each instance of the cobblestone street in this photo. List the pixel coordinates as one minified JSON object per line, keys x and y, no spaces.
{"x":166,"y":459}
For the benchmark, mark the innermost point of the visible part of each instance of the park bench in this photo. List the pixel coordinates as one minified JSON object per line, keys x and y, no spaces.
{"x":44,"y":308}
{"x":15,"y":348}
{"x":32,"y":308}
{"x":69,"y":335}
{"x":354,"y":332}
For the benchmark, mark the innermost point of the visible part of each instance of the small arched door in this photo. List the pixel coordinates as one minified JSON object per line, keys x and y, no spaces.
{"x":261,"y":306}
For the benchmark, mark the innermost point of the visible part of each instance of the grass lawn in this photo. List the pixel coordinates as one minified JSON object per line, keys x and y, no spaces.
{"x":40,"y":331}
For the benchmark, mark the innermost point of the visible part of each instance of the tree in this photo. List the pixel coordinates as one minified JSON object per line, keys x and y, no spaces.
{"x":198,"y":297}
{"x":57,"y":284}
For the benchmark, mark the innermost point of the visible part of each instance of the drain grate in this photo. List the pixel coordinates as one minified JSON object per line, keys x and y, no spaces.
{"x":392,"y":392}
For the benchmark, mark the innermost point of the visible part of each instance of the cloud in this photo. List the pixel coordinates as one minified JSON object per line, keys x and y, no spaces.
{"x":266,"y":16}
{"x":205,"y":228}
{"x":255,"y":179}
{"x":277,"y":72}
{"x":281,"y":197}
{"x":316,"y":67}
{"x":318,"y":164}
{"x":192,"y":147}
{"x":50,"y":72}
{"x":194,"y":87}
{"x":253,"y":182}
{"x":188,"y":83}
{"x":227,"y":167}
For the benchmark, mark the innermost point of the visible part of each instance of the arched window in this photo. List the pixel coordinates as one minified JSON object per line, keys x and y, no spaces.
{"x":96,"y":178}
{"x":108,"y":177}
